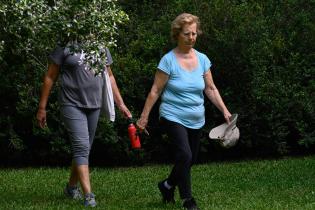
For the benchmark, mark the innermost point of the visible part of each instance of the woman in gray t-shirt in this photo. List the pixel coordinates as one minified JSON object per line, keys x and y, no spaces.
{"x":80,"y":103}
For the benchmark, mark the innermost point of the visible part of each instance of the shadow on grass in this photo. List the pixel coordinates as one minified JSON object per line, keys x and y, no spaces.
{"x":157,"y":204}
{"x":38,"y":200}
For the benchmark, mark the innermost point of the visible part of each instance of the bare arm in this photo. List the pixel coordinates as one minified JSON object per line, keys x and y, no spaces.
{"x":49,"y":79}
{"x":117,"y":96}
{"x":213,"y":94}
{"x":160,"y":80}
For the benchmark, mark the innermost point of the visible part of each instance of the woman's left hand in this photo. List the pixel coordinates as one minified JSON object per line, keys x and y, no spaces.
{"x":125,"y":111}
{"x":227,"y":115}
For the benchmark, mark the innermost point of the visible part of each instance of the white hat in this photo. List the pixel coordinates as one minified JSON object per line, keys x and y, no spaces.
{"x":228,"y":134}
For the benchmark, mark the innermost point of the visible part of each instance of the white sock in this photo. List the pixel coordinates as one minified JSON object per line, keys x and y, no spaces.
{"x":166,"y":184}
{"x":186,"y":199}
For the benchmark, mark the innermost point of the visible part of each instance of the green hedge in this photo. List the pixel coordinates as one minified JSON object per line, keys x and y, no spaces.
{"x":263,"y":64}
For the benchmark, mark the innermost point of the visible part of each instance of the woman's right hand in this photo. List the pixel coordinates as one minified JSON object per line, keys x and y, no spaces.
{"x":142,"y":123}
{"x":49,"y":79}
{"x":41,"y":118}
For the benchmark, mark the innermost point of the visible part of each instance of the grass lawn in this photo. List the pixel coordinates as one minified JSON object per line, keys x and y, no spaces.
{"x":265,"y":184}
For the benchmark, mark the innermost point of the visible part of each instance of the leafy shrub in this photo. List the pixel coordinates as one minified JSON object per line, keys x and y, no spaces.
{"x":263,"y":64}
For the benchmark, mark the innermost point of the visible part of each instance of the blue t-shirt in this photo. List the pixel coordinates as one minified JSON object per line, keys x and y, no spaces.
{"x":182,"y":100}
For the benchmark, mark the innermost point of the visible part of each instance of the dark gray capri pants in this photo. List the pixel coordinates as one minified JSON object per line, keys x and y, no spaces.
{"x":81,"y":124}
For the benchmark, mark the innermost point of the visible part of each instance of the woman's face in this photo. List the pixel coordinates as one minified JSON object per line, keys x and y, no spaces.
{"x":187,"y":37}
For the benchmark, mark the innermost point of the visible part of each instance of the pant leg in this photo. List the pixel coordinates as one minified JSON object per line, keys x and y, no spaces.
{"x":194,"y":142}
{"x":81,"y":129}
{"x":186,"y":145}
{"x":92,"y":118}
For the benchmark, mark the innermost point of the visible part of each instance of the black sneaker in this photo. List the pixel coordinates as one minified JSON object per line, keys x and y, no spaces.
{"x":167,"y":194}
{"x":190,"y":204}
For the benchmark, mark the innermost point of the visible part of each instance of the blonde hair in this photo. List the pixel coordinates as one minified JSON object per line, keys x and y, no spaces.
{"x":180,"y":21}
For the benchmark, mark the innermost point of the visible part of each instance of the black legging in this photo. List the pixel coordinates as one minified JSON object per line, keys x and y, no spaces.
{"x":185,"y":147}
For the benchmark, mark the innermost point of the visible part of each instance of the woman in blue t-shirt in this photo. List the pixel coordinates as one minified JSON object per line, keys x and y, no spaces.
{"x":183,"y":75}
{"x":80,"y":102}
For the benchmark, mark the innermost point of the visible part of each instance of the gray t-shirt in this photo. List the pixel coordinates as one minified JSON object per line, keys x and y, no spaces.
{"x":79,"y":86}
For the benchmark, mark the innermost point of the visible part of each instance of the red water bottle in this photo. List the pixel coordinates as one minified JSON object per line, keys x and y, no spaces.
{"x":133,"y":135}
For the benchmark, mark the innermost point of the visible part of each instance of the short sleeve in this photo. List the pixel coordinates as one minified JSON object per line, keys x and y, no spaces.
{"x":207,"y":64}
{"x":164,"y":65}
{"x":57,"y":56}
{"x":109,"y":59}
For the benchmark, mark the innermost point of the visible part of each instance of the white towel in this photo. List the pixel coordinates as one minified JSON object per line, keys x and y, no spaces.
{"x":108,"y":107}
